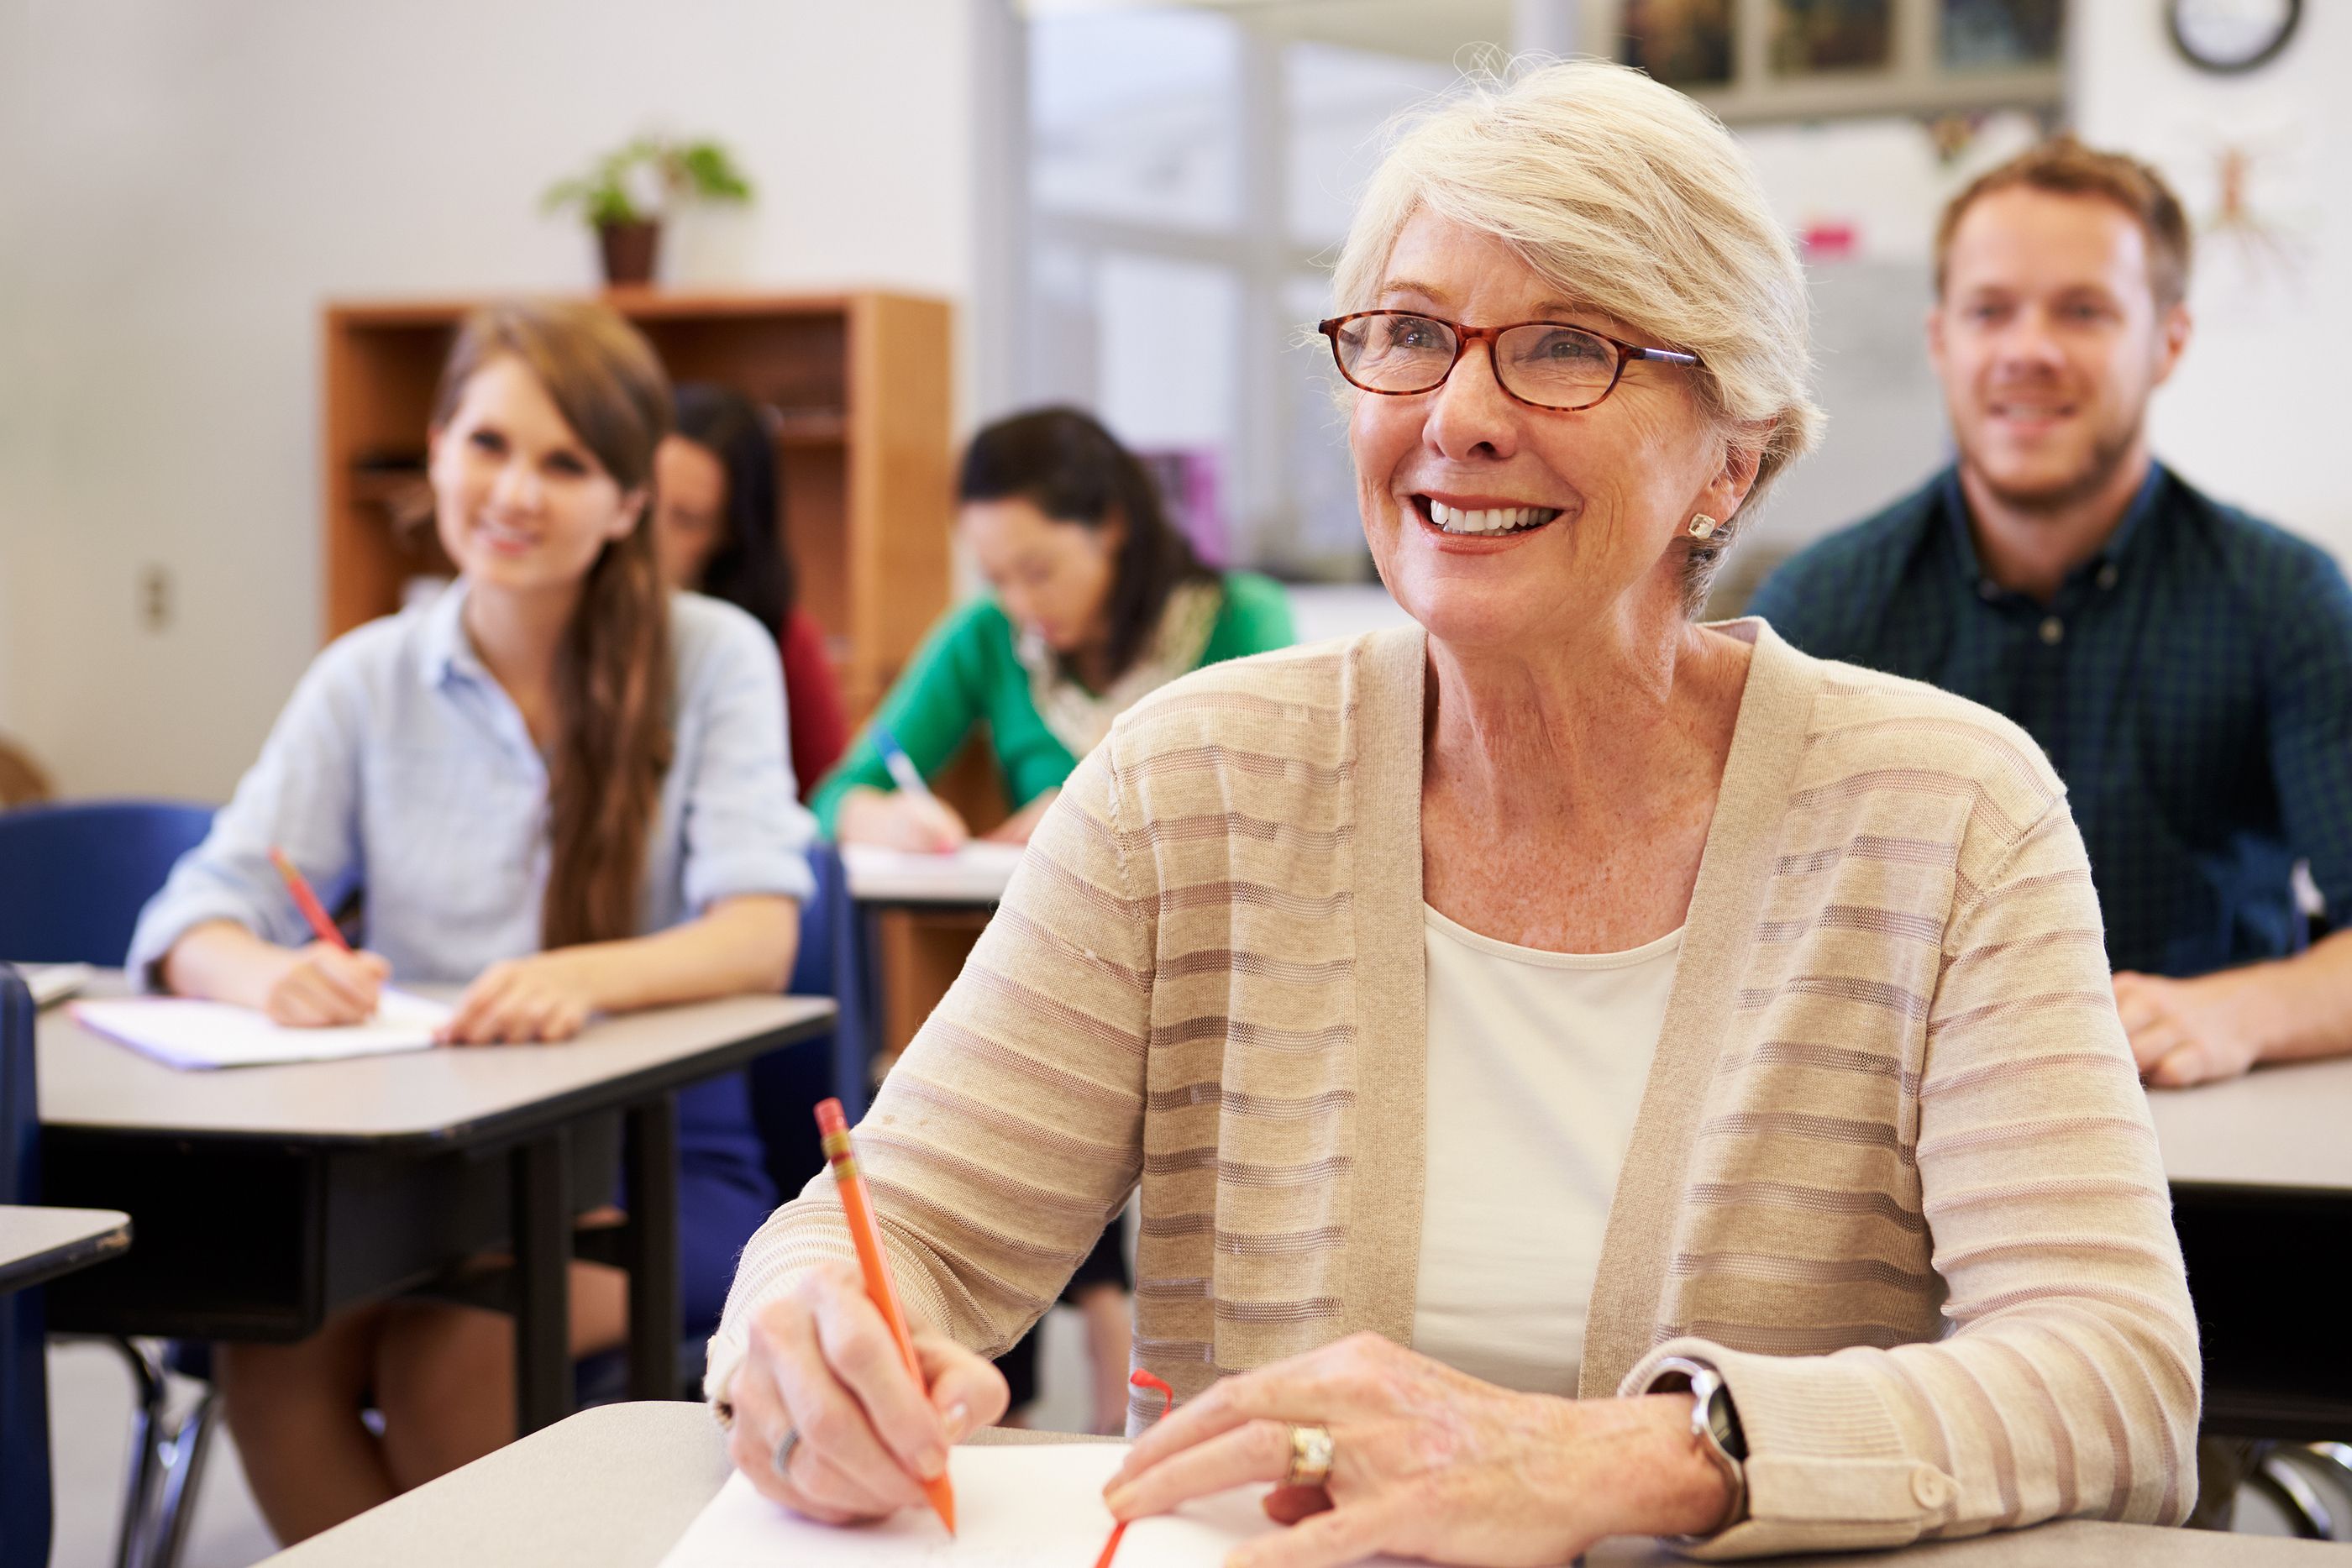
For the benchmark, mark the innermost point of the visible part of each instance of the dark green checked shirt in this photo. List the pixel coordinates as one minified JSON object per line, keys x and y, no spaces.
{"x":2192,"y":683}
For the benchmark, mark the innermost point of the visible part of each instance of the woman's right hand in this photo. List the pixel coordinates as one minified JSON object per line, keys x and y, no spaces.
{"x":899,"y":819}
{"x":316,"y":986}
{"x":821,"y":1363}
{"x":322,"y":984}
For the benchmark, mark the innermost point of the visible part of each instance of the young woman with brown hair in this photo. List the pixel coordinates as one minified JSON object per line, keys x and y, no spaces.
{"x":557,"y":783}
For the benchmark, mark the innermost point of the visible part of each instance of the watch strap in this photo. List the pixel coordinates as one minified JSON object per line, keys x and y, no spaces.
{"x":1715,"y":1426}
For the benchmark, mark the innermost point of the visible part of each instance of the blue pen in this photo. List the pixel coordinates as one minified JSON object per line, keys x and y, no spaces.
{"x":901,"y":765}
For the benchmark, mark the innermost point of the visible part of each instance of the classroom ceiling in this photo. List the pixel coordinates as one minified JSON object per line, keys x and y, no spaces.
{"x":1415,"y":29}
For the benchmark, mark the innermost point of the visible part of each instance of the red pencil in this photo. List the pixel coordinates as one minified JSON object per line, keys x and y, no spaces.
{"x":1140,"y":1379}
{"x":833,"y":1127}
{"x":308,"y":902}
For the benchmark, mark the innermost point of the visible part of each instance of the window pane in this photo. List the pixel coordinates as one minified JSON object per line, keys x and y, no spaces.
{"x":1133,"y":114}
{"x":1167,"y":335}
{"x":1058,"y":363}
{"x":1338,"y":98}
{"x":1325,"y":538}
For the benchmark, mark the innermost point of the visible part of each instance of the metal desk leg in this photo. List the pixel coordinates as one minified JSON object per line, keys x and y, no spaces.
{"x":542,"y":1246}
{"x":649,"y":1249}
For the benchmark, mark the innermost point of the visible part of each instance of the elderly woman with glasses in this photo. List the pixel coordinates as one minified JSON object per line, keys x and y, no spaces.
{"x":1585,"y":1071}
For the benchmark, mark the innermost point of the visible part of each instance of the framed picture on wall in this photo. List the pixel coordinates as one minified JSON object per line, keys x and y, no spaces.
{"x":1976,"y":34}
{"x":1773,"y":61}
{"x":1683,"y":42}
{"x":1832,"y":35}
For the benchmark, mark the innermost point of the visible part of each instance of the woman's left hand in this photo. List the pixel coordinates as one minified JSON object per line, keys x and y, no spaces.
{"x":544,"y":997}
{"x":1427,"y":1462}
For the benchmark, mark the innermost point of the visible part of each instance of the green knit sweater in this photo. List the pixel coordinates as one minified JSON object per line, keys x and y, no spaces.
{"x":966,"y":673}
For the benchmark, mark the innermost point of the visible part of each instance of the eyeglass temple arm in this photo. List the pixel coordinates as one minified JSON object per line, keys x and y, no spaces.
{"x":1668,"y":356}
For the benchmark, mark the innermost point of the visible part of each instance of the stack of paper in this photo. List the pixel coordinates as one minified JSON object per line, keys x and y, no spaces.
{"x":1030,"y":1506}
{"x":187,"y":1033}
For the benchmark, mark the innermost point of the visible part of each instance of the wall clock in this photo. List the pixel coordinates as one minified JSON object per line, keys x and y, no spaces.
{"x":2232,"y":36}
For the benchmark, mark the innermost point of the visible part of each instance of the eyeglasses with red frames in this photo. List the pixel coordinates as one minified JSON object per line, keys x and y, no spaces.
{"x":1544,"y":364}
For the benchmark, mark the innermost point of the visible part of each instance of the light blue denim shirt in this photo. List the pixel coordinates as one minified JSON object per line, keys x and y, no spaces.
{"x":401,"y":769}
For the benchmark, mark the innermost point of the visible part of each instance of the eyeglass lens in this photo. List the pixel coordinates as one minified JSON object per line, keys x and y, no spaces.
{"x":1561,"y":367}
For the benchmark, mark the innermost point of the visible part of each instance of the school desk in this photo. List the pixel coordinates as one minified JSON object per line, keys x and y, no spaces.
{"x":39,"y":1243}
{"x":268,"y":1197}
{"x":918,"y":917}
{"x":2261,"y":1168}
{"x":615,"y":1487}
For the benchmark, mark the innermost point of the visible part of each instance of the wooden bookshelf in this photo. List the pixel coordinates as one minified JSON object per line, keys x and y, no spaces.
{"x":863,"y":383}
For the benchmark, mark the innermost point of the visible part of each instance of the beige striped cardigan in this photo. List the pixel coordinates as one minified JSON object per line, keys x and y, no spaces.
{"x":1892,"y":1173}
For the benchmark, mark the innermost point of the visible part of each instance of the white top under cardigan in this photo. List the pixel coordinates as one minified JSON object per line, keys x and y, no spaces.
{"x":1537,"y":1063}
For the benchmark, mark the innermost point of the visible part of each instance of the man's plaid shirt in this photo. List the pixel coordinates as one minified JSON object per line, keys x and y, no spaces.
{"x":2191,"y":682}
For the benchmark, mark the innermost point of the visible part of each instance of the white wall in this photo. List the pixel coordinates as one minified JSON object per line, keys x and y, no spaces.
{"x":1881,"y":180}
{"x":2255,"y":412}
{"x":182,"y":185}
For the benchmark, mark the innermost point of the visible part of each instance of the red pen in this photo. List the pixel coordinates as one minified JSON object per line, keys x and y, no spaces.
{"x":308,"y":902}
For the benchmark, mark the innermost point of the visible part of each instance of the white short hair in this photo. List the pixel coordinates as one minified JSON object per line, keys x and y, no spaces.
{"x":1629,"y":198}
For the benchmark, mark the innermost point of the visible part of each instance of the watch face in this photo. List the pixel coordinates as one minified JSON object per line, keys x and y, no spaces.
{"x":2232,"y":34}
{"x":1724,"y":1422}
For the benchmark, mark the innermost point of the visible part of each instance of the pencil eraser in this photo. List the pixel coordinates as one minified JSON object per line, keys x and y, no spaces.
{"x":829,"y":1119}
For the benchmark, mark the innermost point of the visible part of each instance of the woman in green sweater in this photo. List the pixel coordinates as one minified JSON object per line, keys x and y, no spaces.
{"x":1095,"y":601}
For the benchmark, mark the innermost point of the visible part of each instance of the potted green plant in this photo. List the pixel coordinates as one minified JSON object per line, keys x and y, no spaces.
{"x":625,"y":193}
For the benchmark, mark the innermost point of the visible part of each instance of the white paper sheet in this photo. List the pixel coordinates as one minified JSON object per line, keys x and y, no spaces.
{"x":194,"y":1034}
{"x":976,"y":873}
{"x":1026,"y":1505}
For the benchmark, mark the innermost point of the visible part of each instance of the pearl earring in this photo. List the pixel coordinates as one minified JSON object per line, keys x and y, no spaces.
{"x":1702,"y":527}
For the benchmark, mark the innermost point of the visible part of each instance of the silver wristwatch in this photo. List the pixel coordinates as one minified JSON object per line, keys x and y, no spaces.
{"x":1714,"y":1423}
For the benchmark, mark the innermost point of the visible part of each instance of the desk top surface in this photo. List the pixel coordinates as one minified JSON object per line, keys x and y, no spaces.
{"x":449,"y":1094}
{"x":2278,"y":1127}
{"x":616,"y":1486}
{"x":38,"y":1243}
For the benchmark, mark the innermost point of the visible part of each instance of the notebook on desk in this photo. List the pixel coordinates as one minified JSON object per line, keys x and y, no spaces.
{"x":975,"y":874}
{"x":182,"y":1032}
{"x":1017,"y":1506}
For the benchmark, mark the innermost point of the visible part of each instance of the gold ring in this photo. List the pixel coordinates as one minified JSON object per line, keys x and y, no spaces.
{"x":1310,"y":1457}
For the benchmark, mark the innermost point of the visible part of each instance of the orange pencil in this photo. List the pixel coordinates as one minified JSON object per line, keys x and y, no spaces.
{"x":305,"y":900}
{"x":833,"y":1127}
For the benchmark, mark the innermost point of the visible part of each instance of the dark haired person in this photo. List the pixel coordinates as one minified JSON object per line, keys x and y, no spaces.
{"x":558,"y":784}
{"x":1096,"y":601}
{"x":2188,"y":667}
{"x":714,"y":512}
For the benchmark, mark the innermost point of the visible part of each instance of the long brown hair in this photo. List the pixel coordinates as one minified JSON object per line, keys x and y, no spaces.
{"x":613,"y":671}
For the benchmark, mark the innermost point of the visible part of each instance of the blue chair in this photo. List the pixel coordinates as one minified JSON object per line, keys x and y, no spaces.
{"x":23,"y":1369}
{"x":785,"y":1085}
{"x":79,"y":873}
{"x":78,"y":876}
